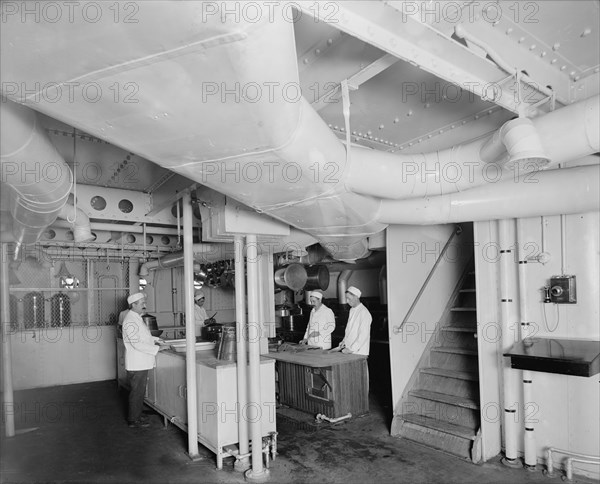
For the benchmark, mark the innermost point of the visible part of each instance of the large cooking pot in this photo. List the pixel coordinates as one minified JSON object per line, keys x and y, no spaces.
{"x":150,"y":321}
{"x":291,"y":277}
{"x":317,"y":278}
{"x":211,"y":331}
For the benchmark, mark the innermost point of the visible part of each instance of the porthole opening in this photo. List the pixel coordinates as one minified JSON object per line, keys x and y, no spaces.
{"x":98,"y":203}
{"x":125,"y":206}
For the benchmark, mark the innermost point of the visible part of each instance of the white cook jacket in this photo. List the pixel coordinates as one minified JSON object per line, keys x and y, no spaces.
{"x":140,"y":350}
{"x":358,"y":330}
{"x":322,"y":321}
{"x":199,"y":317}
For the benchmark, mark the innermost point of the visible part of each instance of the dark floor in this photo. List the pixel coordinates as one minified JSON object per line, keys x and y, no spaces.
{"x":78,"y":434}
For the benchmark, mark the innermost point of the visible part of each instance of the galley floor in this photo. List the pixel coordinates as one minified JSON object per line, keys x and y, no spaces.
{"x":78,"y":434}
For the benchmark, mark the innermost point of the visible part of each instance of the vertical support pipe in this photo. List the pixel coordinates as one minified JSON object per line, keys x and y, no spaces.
{"x":190,"y":327}
{"x":342,"y":285}
{"x":528,"y":403}
{"x":242,"y":359}
{"x":7,"y":387}
{"x":257,"y":472}
{"x":508,"y":321}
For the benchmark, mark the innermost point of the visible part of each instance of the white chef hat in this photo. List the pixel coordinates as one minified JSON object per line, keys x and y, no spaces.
{"x":354,"y":290}
{"x":198,"y":295}
{"x":317,"y":294}
{"x":135,"y":297}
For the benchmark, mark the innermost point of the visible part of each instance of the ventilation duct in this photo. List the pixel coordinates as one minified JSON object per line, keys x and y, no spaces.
{"x":516,"y":146}
{"x":272,"y":152}
{"x":79,"y":221}
{"x":537,"y":194}
{"x":37,"y":177}
{"x":204,"y":252}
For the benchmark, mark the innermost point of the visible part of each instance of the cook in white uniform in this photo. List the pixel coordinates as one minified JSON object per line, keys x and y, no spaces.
{"x":358,"y":330}
{"x":320,"y":324}
{"x":200,"y":315}
{"x":140,"y":356}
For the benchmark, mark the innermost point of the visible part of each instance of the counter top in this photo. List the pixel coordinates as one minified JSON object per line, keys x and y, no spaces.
{"x":207,"y":358}
{"x":315,"y":358}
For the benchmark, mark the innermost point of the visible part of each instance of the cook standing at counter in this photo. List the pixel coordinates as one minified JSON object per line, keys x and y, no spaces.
{"x":358,"y":330}
{"x":140,"y":356}
{"x":200,"y":315}
{"x":320,"y":324}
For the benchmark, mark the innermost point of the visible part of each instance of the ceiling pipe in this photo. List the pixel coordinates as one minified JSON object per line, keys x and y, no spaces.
{"x":462,"y":167}
{"x":374,"y":261}
{"x":113,"y":227}
{"x":342,"y":285}
{"x":284,"y":161}
{"x":202,"y":252}
{"x":38,"y":178}
{"x":550,"y":192}
{"x":79,"y":222}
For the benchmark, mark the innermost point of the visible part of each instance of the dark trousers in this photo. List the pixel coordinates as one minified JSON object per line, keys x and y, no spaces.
{"x":137,"y":391}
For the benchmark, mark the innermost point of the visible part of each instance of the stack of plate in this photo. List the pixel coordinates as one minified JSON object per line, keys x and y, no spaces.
{"x":179,"y":345}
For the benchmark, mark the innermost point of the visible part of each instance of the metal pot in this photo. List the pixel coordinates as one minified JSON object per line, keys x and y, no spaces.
{"x":282,"y":310}
{"x":293,"y":277}
{"x":150,"y":321}
{"x":317,"y":278}
{"x":212,"y":332}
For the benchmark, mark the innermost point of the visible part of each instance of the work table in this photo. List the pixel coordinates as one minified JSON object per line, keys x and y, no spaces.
{"x":206,"y":358}
{"x":315,"y":358}
{"x":318,"y":382}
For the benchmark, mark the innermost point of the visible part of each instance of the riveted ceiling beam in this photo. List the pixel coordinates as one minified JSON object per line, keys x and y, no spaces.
{"x":404,"y":37}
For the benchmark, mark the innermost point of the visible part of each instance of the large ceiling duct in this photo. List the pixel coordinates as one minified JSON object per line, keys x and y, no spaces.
{"x":219,"y":102}
{"x":37,"y":178}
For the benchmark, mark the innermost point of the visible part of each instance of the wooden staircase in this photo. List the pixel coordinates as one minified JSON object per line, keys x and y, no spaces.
{"x":442,"y":408}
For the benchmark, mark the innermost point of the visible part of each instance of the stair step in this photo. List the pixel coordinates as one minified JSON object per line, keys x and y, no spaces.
{"x":458,"y":351}
{"x":442,"y":397}
{"x":440,"y":426}
{"x":459,"y":375}
{"x":463,"y":309}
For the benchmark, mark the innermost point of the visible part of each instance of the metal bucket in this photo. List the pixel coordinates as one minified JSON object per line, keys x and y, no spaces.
{"x":227,"y":344}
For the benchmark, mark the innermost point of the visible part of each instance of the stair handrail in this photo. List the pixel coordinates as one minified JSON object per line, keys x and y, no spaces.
{"x":457,"y":231}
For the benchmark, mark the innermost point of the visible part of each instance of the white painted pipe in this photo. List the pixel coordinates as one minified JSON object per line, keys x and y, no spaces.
{"x":526,"y":330}
{"x":190,"y":327}
{"x":342,"y":285}
{"x":257,"y":471}
{"x":509,"y":317}
{"x":529,"y":196}
{"x":569,"y":465}
{"x":200,"y":252}
{"x":391,"y":176}
{"x":8,"y":402}
{"x":78,"y":221}
{"x":242,"y":348}
{"x":109,"y":227}
{"x":38,"y":178}
{"x":320,"y":416}
{"x":591,"y":459}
